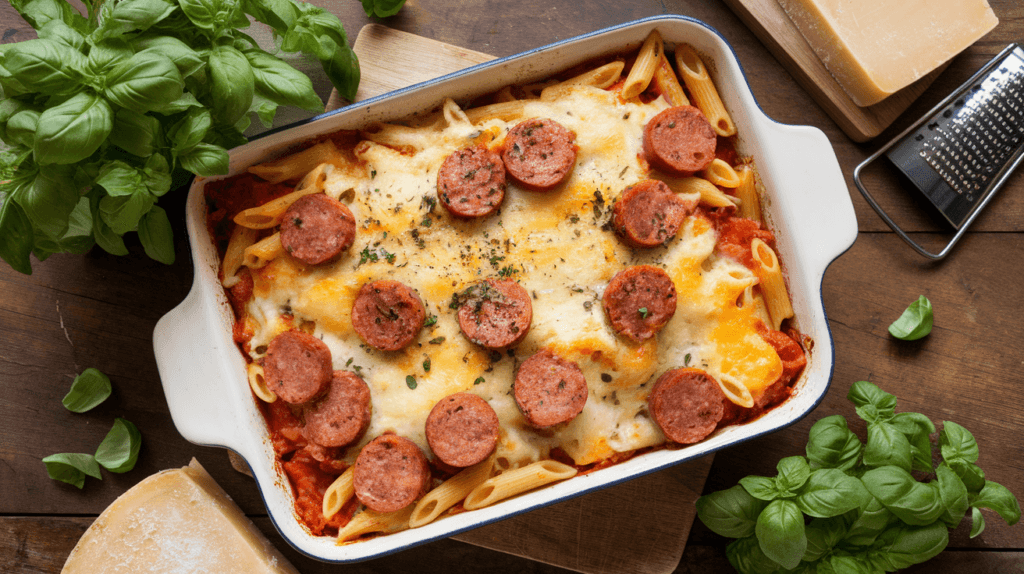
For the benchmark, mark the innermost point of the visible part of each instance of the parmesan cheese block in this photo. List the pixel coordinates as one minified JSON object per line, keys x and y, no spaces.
{"x":177,"y":521}
{"x":874,"y":48}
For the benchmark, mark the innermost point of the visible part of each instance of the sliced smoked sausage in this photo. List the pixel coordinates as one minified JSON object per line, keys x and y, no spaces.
{"x":649,"y":213}
{"x":316,"y":228}
{"x":387,"y":315}
{"x":549,"y":390}
{"x":390,"y":473}
{"x":639,"y":301}
{"x":680,"y":140}
{"x":495,"y":314}
{"x":539,"y":153}
{"x":343,"y":415}
{"x":686,"y":404}
{"x":297,"y":366}
{"x":462,"y":429}
{"x":471,"y":182}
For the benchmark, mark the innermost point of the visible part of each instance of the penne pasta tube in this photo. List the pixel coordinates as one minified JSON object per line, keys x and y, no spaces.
{"x":709,"y":194}
{"x":720,"y":173}
{"x":338,"y":493}
{"x":449,"y":493}
{"x":270,"y":213}
{"x":297,"y":164}
{"x":234,"y":256}
{"x":258,"y":383}
{"x":735,"y":391}
{"x":668,"y":84}
{"x":642,"y":72}
{"x":262,"y":252}
{"x":516,"y":482}
{"x":773,"y":285}
{"x":705,"y":95}
{"x":600,"y":77}
{"x":752,"y":299}
{"x":746,"y":191}
{"x":368,"y":522}
{"x":505,"y":111}
{"x":453,"y":114}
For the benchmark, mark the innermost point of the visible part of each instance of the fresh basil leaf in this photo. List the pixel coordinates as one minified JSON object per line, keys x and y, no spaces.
{"x":977,"y":522}
{"x":146,"y":81}
{"x":831,"y":444}
{"x":264,"y":109}
{"x":185,"y":58}
{"x":746,"y":557}
{"x":59,"y":32}
{"x":39,"y":13}
{"x":17,"y":236}
{"x":968,"y":472}
{"x":72,"y":468}
{"x":342,"y":68}
{"x":206,"y":160}
{"x":281,"y":83}
{"x":731,"y":512}
{"x":232,"y":84}
{"x":278,"y":14}
{"x":157,"y":236}
{"x":44,"y":66}
{"x":186,"y":102}
{"x":902,"y":546}
{"x":780,"y":533}
{"x":106,"y":238}
{"x":136,"y":133}
{"x":88,"y":390}
{"x":918,"y":429}
{"x":912,"y":502}
{"x":956,"y":442}
{"x":120,"y":448}
{"x":760,"y":487}
{"x":382,"y":8}
{"x":205,"y":14}
{"x":997,"y":497}
{"x":915,"y":322}
{"x":190,"y":130}
{"x":864,"y":393}
{"x":830,"y":492}
{"x":8,"y":109}
{"x":120,"y":179}
{"x":122,"y":213}
{"x":74,"y":130}
{"x":21,"y":128}
{"x":78,"y":238}
{"x":793,"y":474}
{"x":156,"y":175}
{"x":131,"y":16}
{"x":953,"y":494}
{"x":48,"y":199}
{"x":104,"y":55}
{"x":871,"y":520}
{"x":887,"y":446}
{"x":823,"y":534}
{"x":848,"y":564}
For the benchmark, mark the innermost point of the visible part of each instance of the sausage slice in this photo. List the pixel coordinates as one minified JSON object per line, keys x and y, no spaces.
{"x":539,"y":153}
{"x":495,"y":313}
{"x":316,"y":228}
{"x":462,"y":429}
{"x":390,"y":473}
{"x":680,"y":140}
{"x":387,"y":315}
{"x":686,"y":404}
{"x":471,"y":182}
{"x":343,"y":415}
{"x":649,"y":214}
{"x":639,"y":301}
{"x":297,"y":366}
{"x":549,"y":390}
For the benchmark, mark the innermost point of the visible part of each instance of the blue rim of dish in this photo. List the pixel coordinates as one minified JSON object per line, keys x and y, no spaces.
{"x":603,"y":485}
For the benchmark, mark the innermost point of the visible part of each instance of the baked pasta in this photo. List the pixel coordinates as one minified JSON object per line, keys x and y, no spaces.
{"x":451,"y":310}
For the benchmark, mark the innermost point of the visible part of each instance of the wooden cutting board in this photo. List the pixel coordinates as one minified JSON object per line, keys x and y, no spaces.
{"x":639,"y":526}
{"x":782,"y":38}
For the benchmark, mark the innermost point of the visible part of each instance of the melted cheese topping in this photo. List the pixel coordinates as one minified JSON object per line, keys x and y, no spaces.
{"x":553,"y":244}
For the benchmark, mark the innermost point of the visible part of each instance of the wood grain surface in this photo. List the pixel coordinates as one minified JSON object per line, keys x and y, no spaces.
{"x":98,"y":311}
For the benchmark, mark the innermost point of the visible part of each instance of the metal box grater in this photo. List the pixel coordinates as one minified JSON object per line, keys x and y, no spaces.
{"x":962,"y":151}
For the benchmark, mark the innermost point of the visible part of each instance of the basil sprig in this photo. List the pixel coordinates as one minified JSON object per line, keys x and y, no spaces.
{"x":867,"y":511}
{"x":915,"y":322}
{"x":103,"y":112}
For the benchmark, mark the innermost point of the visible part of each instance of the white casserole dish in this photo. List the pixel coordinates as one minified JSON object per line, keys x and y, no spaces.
{"x":807,"y":204}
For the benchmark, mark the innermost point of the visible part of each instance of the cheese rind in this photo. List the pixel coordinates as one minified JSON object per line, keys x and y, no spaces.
{"x":874,"y":48}
{"x":178,"y":521}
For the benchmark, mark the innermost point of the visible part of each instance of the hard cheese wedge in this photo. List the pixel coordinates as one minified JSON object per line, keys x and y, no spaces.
{"x":874,"y":48}
{"x":176,"y":521}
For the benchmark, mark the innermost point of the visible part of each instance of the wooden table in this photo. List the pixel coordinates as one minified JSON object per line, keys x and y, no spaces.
{"x":99,"y":311}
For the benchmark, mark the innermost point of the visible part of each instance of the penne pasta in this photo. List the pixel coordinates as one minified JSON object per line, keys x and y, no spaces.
{"x":667,"y":82}
{"x":517,"y":481}
{"x":642,"y":72}
{"x":752,"y":299}
{"x":722,"y":174}
{"x":709,"y":194}
{"x":262,"y":252}
{"x":269,"y":214}
{"x":338,"y":493}
{"x":505,"y":111}
{"x":449,"y":493}
{"x":735,"y":391}
{"x":395,"y":135}
{"x":370,"y":522}
{"x":234,"y":256}
{"x":258,"y":383}
{"x":746,"y":191}
{"x":705,"y":95}
{"x":600,"y":77}
{"x":773,"y":285}
{"x":453,"y":114}
{"x":297,"y":164}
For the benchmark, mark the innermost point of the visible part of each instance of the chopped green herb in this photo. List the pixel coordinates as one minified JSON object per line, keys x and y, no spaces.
{"x":436,"y":340}
{"x":507,"y":271}
{"x":426,"y":365}
{"x":431,"y":320}
{"x":686,"y":360}
{"x":479,"y":380}
{"x":410,"y":381}
{"x":426,"y":222}
{"x":643,"y":312}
